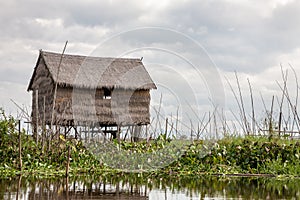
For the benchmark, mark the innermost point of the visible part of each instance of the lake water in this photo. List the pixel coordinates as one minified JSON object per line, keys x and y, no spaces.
{"x":138,"y":187}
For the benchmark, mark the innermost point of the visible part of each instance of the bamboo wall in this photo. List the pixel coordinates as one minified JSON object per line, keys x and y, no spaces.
{"x":87,"y":106}
{"x":43,"y":87}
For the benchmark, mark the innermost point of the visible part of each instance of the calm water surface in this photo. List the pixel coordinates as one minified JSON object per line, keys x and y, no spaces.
{"x":138,"y":187}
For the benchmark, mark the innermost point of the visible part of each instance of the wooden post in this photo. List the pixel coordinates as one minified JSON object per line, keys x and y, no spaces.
{"x":279,"y":123}
{"x":68,"y":161}
{"x":252,"y":107}
{"x":105,"y":133}
{"x":166,"y":130}
{"x":44,"y":121}
{"x":20,"y":147}
{"x":271,"y":117}
{"x":136,"y":133}
{"x":216,"y":126}
{"x":36,"y":114}
{"x":85,"y":134}
{"x":118,"y":189}
{"x":132,"y":133}
{"x":198,"y":131}
{"x":191,"y":130}
{"x":89,"y":133}
{"x":146,"y":132}
{"x":128,"y":127}
{"x":49,"y":139}
{"x":76,"y":132}
{"x":118,"y":133}
{"x":67,"y":187}
{"x":104,"y":187}
{"x":65,"y":132}
{"x":19,"y":186}
{"x":176,"y":131}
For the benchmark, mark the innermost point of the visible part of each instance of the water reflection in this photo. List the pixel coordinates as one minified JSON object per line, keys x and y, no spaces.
{"x":141,"y":186}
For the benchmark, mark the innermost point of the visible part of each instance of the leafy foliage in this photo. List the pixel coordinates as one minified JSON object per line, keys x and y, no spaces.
{"x":37,"y":158}
{"x":252,"y":155}
{"x":243,"y":155}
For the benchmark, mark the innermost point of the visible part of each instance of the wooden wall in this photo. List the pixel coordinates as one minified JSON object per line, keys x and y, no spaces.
{"x":43,"y":87}
{"x":87,"y":106}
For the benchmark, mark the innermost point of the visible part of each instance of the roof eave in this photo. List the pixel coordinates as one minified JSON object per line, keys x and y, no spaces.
{"x":29,"y":88}
{"x":41,"y":56}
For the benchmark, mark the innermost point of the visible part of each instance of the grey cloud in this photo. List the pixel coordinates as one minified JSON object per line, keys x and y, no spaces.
{"x":108,"y":13}
{"x":235,"y":36}
{"x":282,"y":30}
{"x":238,"y":35}
{"x":15,"y":76}
{"x":84,"y":13}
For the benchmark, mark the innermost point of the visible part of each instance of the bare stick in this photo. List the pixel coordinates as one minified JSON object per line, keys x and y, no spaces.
{"x":271,"y":117}
{"x":158,"y":114}
{"x":171,"y":130}
{"x":264,"y":104}
{"x":25,"y":112}
{"x":56,"y":84}
{"x":239,"y":122}
{"x":215,"y":125}
{"x":221,"y":116}
{"x":20,"y":147}
{"x":226,"y":128}
{"x":183,"y":124}
{"x":68,"y":161}
{"x":176,"y":131}
{"x":234,"y":94}
{"x":237,"y":101}
{"x":166,"y":129}
{"x":252,"y":107}
{"x":191,"y":130}
{"x":294,"y":110}
{"x":208,"y":122}
{"x":297,"y":94}
{"x":128,"y":131}
{"x":201,"y":125}
{"x":192,"y":109}
{"x":242,"y":103}
{"x":256,"y":124}
{"x":284,"y":77}
{"x":198,"y":131}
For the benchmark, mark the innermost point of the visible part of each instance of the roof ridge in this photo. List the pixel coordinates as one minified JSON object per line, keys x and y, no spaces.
{"x":87,"y":56}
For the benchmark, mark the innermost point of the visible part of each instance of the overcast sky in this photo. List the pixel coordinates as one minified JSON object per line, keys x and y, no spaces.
{"x":188,"y":46}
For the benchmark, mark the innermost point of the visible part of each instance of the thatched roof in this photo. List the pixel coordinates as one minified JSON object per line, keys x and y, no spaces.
{"x":95,"y":72}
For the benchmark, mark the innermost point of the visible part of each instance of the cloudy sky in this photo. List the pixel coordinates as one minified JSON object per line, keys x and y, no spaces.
{"x":189,"y":47}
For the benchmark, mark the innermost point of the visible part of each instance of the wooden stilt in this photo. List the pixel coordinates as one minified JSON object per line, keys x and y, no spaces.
{"x":118,"y":133}
{"x":166,"y":129}
{"x":36,"y":115}
{"x":44,"y":122}
{"x":68,"y":161}
{"x":128,"y":128}
{"x":20,"y":147}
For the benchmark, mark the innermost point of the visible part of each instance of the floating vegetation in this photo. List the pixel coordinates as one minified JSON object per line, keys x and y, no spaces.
{"x":230,"y":155}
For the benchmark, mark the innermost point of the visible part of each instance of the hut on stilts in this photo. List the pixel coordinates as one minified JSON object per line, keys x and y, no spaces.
{"x":71,"y":91}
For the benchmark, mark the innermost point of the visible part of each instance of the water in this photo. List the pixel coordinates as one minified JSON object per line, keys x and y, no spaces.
{"x":139,"y":187}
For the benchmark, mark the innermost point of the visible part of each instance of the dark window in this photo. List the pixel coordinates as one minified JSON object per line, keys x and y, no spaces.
{"x":107,"y":93}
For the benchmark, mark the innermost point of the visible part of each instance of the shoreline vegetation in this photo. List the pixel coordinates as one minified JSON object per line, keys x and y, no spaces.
{"x":229,"y":156}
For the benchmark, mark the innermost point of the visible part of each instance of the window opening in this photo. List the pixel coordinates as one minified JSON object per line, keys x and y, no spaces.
{"x":107,"y":93}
